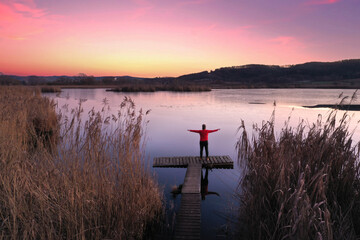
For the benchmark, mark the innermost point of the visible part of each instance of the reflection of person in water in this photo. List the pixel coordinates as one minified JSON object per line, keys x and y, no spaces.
{"x":204,"y":187}
{"x":205,"y":184}
{"x":176,"y":190}
{"x":204,"y":139}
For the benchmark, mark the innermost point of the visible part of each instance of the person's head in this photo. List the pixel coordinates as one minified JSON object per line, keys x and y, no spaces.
{"x":203,"y":126}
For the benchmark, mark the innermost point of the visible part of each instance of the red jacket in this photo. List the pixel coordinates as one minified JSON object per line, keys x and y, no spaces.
{"x":204,"y":133}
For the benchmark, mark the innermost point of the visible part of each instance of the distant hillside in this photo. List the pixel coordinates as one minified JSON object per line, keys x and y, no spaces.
{"x":340,"y":74}
{"x":313,"y":74}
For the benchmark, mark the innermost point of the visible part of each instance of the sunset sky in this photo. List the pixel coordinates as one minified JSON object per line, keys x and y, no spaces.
{"x":152,"y":38}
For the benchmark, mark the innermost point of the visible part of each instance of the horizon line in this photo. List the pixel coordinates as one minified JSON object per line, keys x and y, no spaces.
{"x":90,"y":75}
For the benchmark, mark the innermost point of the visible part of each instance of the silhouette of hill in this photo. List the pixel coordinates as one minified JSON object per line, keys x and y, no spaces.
{"x":344,"y":73}
{"x":340,"y":74}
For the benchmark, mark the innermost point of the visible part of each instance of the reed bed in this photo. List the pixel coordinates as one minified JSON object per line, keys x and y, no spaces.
{"x":50,"y":89}
{"x":303,"y":184}
{"x":63,"y":177}
{"x":154,"y":88}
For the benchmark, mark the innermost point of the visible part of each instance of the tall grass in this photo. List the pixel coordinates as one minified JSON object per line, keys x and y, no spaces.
{"x":161,"y":87}
{"x":50,"y":89}
{"x":303,"y":184}
{"x":89,"y":182}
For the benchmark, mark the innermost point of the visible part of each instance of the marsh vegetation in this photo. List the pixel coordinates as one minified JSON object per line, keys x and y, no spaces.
{"x":65,"y":178}
{"x":50,"y":89}
{"x":154,"y":88}
{"x":302,"y":183}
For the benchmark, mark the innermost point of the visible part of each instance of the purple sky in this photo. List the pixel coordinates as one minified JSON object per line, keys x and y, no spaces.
{"x":166,"y":37}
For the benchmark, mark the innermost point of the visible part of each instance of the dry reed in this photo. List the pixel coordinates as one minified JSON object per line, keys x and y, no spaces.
{"x":162,"y":87}
{"x":303,"y":184}
{"x":92,"y":183}
{"x":50,"y":89}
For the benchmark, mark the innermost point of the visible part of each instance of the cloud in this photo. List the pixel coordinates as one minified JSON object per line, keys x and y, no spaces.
{"x":138,"y":12}
{"x":288,"y":46}
{"x":321,"y":2}
{"x":283,"y":40}
{"x":7,"y":14}
{"x":142,"y":3}
{"x":192,"y":2}
{"x":21,"y":19}
{"x":33,"y":12}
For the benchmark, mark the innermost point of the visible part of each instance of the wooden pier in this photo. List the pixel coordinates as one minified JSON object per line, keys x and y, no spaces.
{"x":183,"y":162}
{"x":188,"y":218}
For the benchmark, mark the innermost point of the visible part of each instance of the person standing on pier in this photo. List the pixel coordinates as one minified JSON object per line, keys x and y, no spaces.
{"x":204,"y":139}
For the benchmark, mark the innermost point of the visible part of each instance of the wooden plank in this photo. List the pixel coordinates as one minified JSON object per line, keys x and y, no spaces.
{"x":188,"y":219}
{"x":192,"y":179}
{"x":183,"y":161}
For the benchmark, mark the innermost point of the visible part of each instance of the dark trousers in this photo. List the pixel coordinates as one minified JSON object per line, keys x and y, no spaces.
{"x":204,"y":144}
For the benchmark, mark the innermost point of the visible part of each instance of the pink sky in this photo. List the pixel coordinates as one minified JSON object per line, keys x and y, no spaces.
{"x":169,"y":38}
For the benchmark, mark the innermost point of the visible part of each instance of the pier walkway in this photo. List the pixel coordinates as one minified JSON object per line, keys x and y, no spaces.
{"x":183,"y":162}
{"x":188,"y":218}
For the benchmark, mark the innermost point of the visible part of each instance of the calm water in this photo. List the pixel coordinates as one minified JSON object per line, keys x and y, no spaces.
{"x":173,"y":113}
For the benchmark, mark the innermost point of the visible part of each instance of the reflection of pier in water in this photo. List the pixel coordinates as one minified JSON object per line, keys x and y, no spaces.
{"x":188,"y":219}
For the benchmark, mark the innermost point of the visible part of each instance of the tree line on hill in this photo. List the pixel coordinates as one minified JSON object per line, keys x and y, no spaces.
{"x":344,"y":74}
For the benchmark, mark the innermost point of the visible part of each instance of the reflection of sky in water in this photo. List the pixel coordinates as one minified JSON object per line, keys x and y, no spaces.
{"x":173,"y":113}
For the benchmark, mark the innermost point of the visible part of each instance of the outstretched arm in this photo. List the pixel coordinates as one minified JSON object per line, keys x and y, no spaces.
{"x":210,"y":131}
{"x":195,"y":131}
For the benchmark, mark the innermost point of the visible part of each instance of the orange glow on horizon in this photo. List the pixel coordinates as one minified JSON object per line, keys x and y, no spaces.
{"x":160,"y":38}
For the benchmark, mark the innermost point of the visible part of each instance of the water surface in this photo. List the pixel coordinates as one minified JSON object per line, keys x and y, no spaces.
{"x":173,"y":113}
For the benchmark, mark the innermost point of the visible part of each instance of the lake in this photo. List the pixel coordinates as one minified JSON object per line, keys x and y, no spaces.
{"x":172,"y":114}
